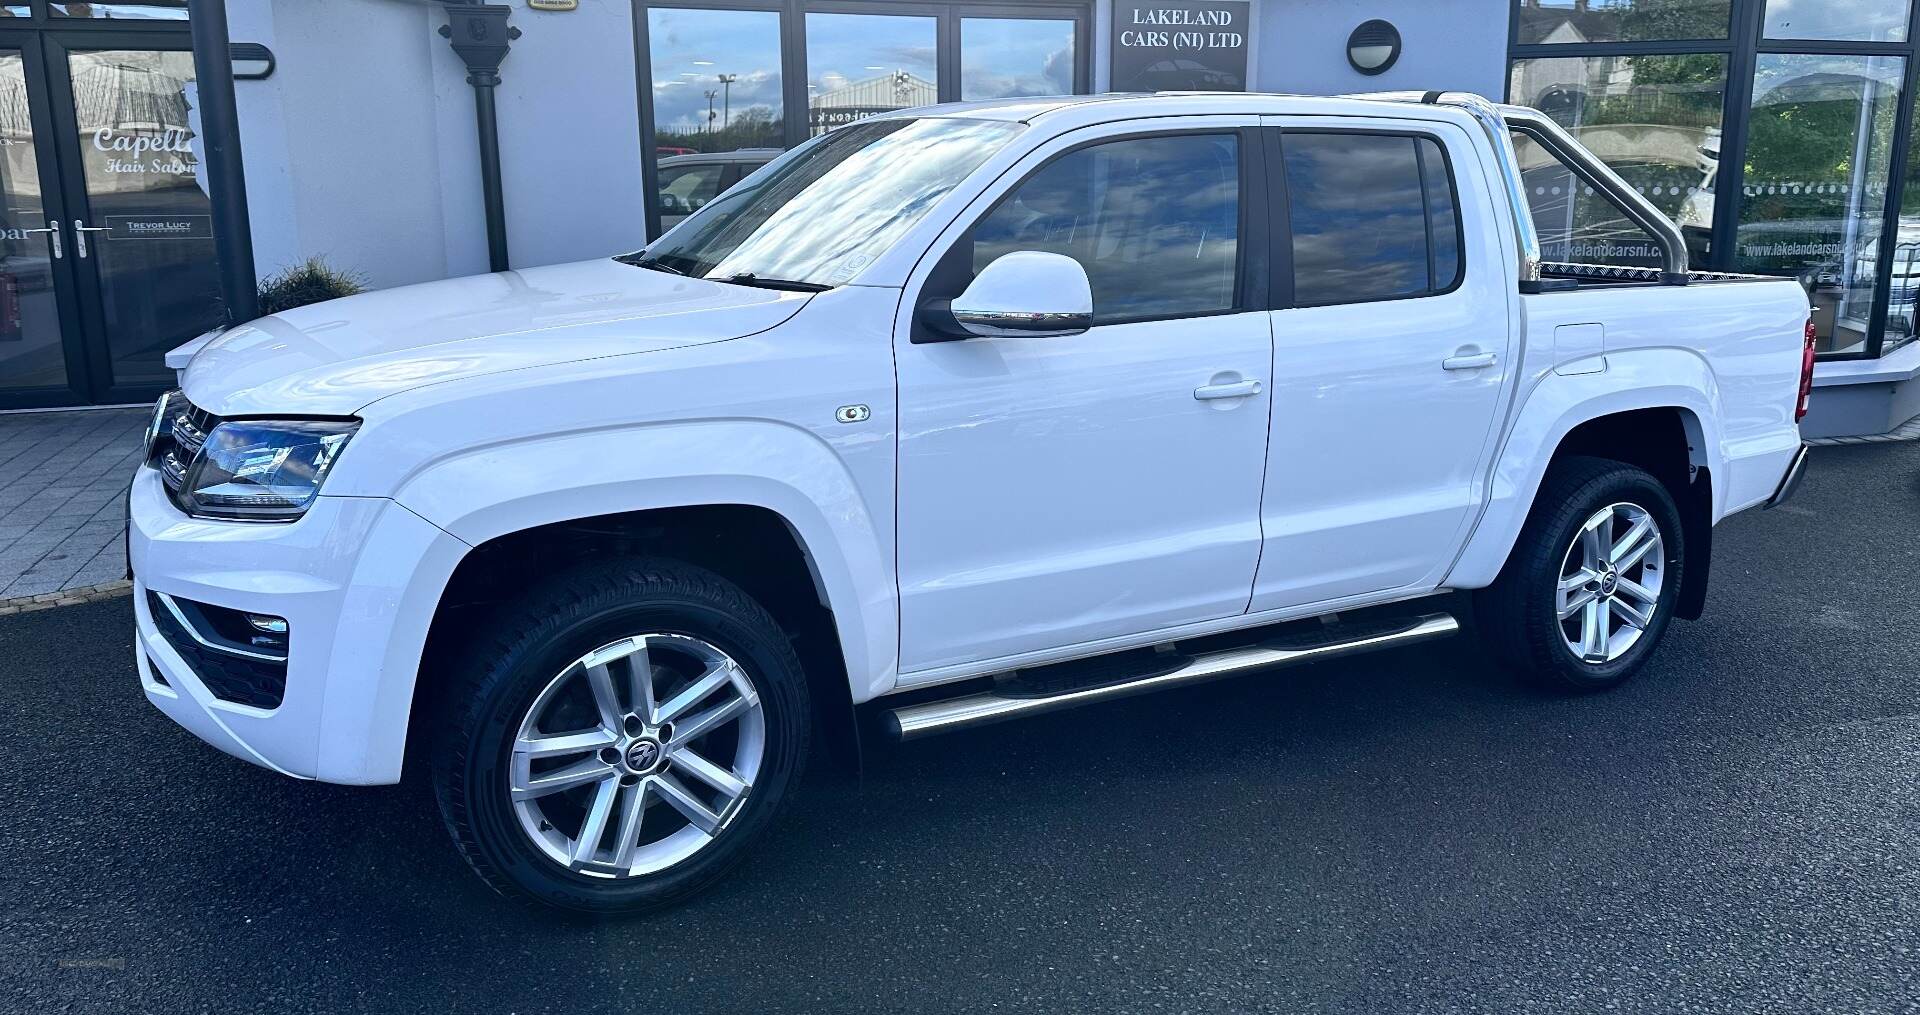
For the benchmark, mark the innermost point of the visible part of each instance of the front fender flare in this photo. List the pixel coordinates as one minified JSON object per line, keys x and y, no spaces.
{"x":487,"y":492}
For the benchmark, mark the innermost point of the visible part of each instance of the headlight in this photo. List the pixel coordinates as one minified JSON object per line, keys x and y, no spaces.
{"x":263,"y":470}
{"x":162,"y":419}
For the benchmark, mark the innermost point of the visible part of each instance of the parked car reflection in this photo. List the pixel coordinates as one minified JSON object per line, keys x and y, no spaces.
{"x":688,"y":182}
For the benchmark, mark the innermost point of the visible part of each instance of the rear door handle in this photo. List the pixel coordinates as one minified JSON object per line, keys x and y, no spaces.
{"x":1235,"y":389}
{"x":1469,"y":361}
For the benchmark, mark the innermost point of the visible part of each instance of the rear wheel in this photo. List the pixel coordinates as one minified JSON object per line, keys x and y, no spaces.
{"x":621,"y":737}
{"x":1589,"y":589}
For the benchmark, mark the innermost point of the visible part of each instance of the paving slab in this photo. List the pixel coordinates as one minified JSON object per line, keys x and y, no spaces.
{"x":63,"y":479}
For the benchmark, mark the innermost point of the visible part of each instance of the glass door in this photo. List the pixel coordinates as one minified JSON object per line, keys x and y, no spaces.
{"x":38,"y":366}
{"x":106,"y":231}
{"x":140,"y":223}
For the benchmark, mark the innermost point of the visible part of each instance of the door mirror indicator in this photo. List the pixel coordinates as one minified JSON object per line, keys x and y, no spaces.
{"x":1025,"y":294}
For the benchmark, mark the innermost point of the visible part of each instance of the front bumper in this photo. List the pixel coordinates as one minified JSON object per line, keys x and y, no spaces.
{"x":358,"y":580}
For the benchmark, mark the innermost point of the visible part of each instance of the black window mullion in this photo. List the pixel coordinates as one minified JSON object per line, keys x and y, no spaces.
{"x":946,"y":57}
{"x":1896,"y":194}
{"x":1730,"y":176}
{"x":798,"y":119}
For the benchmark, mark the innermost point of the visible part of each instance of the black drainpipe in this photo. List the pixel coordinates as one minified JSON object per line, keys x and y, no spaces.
{"x":480,"y":34}
{"x":226,"y":176}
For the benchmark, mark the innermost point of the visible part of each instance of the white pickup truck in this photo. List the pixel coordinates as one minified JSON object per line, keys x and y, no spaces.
{"x":944,"y":417}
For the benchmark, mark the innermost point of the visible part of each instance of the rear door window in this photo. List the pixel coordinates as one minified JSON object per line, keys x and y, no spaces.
{"x":1373,"y":217}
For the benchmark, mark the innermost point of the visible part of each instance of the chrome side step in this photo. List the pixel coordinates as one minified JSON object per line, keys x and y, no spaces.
{"x":913,"y":722}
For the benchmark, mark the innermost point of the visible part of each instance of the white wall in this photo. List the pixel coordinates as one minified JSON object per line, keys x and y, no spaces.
{"x":570,"y":134}
{"x":362,"y":146}
{"x":1301,"y":45}
{"x":339,"y":143}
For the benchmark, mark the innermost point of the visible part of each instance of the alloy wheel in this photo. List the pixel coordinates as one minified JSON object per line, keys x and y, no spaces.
{"x":1610,"y":582}
{"x":638,"y":754}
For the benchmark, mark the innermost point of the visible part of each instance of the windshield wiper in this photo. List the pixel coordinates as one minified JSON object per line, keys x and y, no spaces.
{"x":649,"y":262}
{"x":785,"y":284}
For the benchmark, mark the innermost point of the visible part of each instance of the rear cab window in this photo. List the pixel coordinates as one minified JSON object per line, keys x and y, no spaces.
{"x":1373,"y":216}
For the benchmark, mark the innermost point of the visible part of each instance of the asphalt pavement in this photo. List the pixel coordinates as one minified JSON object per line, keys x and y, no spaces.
{"x":1736,"y":831}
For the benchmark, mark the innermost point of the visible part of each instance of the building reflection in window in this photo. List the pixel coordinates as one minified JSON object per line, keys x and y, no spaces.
{"x":1818,"y":157}
{"x":1655,"y":119}
{"x":862,"y":64}
{"x":716,"y":80}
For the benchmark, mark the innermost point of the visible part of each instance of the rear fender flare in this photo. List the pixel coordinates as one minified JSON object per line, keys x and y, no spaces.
{"x":1639,"y":379}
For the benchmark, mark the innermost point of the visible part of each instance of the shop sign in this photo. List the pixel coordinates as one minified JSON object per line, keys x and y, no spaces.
{"x":160,"y":227}
{"x":553,"y":5}
{"x":168,"y":151}
{"x":1176,"y":46}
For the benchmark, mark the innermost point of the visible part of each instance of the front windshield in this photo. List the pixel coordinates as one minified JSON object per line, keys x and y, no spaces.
{"x":820,"y":213}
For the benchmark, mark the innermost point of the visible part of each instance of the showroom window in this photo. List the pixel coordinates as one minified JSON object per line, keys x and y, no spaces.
{"x":735,"y":81}
{"x":1769,"y":130}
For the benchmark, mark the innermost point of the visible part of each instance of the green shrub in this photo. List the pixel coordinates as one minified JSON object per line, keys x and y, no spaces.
{"x":302,"y":284}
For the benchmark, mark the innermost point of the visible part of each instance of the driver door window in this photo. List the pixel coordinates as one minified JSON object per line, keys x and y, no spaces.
{"x":1155,"y":222}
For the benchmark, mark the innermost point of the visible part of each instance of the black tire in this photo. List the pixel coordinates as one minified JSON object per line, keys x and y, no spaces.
{"x":1517,"y":616}
{"x":498,"y":678}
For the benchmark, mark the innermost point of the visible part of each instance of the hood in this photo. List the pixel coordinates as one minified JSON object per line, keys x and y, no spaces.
{"x":334,"y":358}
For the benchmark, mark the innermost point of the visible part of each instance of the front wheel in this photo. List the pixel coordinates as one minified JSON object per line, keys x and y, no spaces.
{"x":1590,"y":587}
{"x":620,"y":737}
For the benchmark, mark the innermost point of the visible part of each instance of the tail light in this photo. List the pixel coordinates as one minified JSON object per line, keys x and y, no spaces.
{"x":1806,"y":374}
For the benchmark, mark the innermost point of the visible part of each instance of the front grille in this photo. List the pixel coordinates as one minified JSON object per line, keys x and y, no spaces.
{"x":244,"y":679}
{"x":180,"y":443}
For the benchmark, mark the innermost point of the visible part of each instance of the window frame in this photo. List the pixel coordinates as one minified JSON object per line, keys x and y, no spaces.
{"x":1283,"y":214}
{"x":792,"y":32}
{"x":1743,"y":45}
{"x":1251,"y":248}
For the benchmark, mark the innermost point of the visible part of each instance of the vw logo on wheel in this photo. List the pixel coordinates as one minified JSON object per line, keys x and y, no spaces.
{"x":642,"y":755}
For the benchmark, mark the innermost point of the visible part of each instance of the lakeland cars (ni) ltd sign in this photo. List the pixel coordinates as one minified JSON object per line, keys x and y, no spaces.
{"x":1160,"y":47}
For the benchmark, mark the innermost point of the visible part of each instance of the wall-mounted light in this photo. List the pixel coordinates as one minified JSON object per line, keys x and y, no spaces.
{"x":251,"y":61}
{"x":1373,"y":47}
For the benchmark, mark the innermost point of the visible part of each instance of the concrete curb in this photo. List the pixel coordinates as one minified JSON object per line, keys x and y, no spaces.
{"x":1908,"y":431}
{"x":66,"y":597}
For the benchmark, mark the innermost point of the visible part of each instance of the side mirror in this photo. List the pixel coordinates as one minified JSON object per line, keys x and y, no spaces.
{"x":1025,"y":294}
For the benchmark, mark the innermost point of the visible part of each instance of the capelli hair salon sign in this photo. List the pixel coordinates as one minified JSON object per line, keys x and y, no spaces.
{"x":1180,"y":46}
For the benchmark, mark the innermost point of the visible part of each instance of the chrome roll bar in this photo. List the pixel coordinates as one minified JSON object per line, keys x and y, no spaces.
{"x":1498,"y":120}
{"x":1548,"y":133}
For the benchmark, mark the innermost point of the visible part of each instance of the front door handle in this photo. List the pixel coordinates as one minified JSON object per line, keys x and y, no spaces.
{"x":80,"y":231}
{"x":53,"y":233}
{"x":1233,"y":389}
{"x":1469,"y":361}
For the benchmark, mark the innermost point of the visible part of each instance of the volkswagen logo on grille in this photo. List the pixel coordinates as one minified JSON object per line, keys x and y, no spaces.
{"x":642,"y":755}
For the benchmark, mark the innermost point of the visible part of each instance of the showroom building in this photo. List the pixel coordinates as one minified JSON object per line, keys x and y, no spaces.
{"x":1776,"y":132}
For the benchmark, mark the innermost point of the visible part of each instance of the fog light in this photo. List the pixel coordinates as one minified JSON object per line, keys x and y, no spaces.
{"x":270,"y":632}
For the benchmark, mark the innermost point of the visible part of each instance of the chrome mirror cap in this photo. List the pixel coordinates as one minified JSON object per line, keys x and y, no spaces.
{"x":1026,"y":294}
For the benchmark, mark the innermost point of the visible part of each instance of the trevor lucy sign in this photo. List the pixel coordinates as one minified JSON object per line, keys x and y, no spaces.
{"x":1175,"y":46}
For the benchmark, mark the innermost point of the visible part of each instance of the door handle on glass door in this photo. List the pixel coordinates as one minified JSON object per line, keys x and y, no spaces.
{"x":1232,"y":389}
{"x":53,"y":233}
{"x":1464,"y":360}
{"x":80,"y":231}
